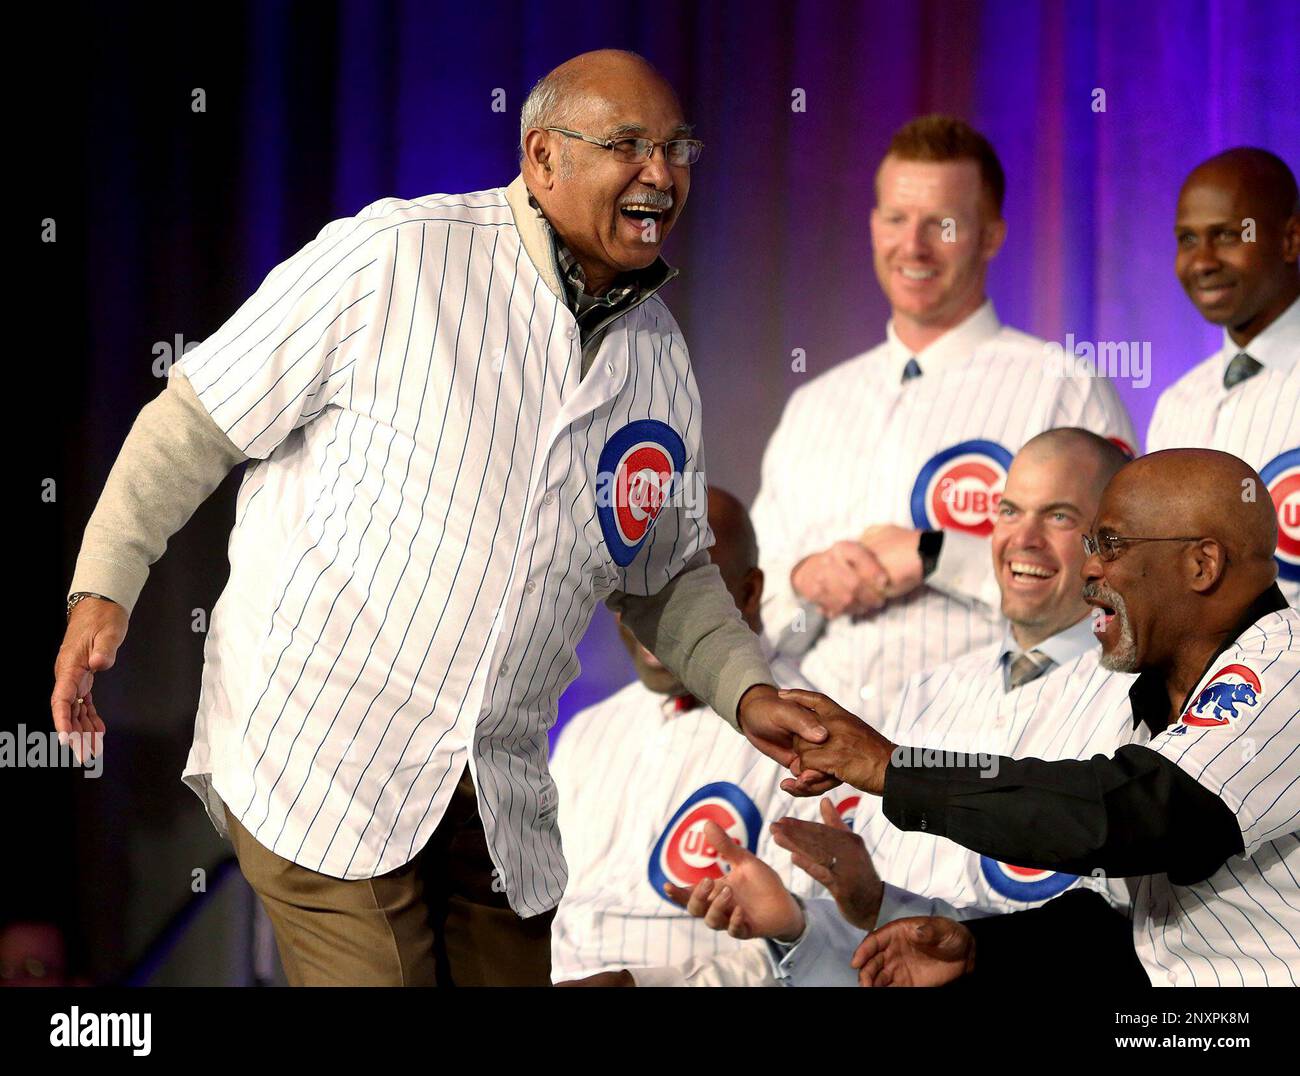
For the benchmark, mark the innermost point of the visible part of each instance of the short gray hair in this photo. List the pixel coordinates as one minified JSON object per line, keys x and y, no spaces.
{"x":548,"y":104}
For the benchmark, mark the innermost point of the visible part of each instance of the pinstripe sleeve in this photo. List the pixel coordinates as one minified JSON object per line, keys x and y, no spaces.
{"x":281,"y":358}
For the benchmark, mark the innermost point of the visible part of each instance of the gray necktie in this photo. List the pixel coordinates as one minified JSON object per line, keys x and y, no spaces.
{"x":1240,"y":369}
{"x":911,"y":370}
{"x":1025,"y":667}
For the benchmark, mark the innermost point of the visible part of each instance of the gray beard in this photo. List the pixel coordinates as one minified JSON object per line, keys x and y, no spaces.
{"x":1123,"y":658}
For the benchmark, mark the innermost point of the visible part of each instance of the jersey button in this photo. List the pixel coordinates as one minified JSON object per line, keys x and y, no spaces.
{"x":529,"y":587}
{"x":549,"y":498}
{"x":609,"y":368}
{"x":505,"y":669}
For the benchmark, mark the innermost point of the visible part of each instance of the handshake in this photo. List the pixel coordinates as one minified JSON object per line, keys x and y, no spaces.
{"x":851,"y":751}
{"x":857,"y":578}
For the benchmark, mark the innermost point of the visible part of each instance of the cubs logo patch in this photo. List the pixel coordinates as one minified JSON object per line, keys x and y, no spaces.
{"x":1282,"y":478}
{"x":847,"y":808}
{"x":1026,"y":884}
{"x":1217,"y":704}
{"x":959,"y":488}
{"x":683,"y":855}
{"x":639,"y":466}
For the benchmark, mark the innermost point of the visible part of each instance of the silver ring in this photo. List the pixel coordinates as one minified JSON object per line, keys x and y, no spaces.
{"x":834,"y":860}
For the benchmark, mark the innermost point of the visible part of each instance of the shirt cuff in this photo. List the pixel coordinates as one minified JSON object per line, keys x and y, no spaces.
{"x":916,"y":798}
{"x":821,"y":955}
{"x":120,"y":582}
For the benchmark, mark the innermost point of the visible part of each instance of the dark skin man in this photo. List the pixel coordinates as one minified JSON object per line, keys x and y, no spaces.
{"x":1237,"y":230}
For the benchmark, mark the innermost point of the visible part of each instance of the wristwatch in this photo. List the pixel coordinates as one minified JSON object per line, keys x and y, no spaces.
{"x":74,"y":598}
{"x":928,"y":546}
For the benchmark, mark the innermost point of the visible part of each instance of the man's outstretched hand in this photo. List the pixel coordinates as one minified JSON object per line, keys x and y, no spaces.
{"x":919,"y":951}
{"x":853,"y":751}
{"x":95,"y":631}
{"x":771,"y":723}
{"x":749,"y":901}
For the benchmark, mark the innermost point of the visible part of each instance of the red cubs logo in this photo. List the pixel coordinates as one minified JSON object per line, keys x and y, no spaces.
{"x":847,"y":809}
{"x":1216,"y":703}
{"x":683,"y":854}
{"x":959,"y":489}
{"x":1282,"y":476}
{"x":637,"y":470}
{"x":641,"y":482}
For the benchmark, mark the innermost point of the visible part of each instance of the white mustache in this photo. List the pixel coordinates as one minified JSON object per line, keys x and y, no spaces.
{"x":660,"y":201}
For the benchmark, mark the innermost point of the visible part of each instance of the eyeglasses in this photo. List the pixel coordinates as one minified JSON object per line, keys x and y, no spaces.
{"x":679,"y":152}
{"x":1107,"y":545}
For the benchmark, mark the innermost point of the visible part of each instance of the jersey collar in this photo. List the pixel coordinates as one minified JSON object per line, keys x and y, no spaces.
{"x":955,"y":346}
{"x":1277,"y":347}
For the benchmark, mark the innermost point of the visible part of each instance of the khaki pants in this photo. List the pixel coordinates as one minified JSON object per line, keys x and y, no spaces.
{"x":434,"y":921}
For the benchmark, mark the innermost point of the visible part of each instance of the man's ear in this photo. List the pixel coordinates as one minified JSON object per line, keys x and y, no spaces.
{"x":1291,"y":239}
{"x":994,"y":235}
{"x":1206,"y":562}
{"x":753,"y":592}
{"x":538,"y":163}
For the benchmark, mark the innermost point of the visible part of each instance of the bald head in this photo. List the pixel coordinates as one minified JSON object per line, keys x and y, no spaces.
{"x":1097,"y":458}
{"x":1202,"y":493}
{"x":1267,"y":179}
{"x":565,"y":96}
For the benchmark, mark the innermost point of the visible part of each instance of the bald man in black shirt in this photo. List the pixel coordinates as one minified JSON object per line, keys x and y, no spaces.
{"x":1182,"y":576}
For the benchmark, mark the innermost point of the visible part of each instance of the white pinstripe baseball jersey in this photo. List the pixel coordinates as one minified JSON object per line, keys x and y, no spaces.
{"x":1240,"y":738}
{"x":1257,"y":420}
{"x":637,"y":782}
{"x":858,"y":446}
{"x":422,"y":536}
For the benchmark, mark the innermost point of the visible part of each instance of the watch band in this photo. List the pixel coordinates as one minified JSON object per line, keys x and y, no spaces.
{"x":80,"y":595}
{"x":928,"y":546}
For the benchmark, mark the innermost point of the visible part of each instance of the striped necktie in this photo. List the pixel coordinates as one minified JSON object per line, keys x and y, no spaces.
{"x":1240,"y":369}
{"x":1026,"y":667}
{"x":911,"y":370}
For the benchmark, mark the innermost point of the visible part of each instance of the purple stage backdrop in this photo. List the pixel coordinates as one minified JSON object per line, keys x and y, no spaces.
{"x":1098,"y":108}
